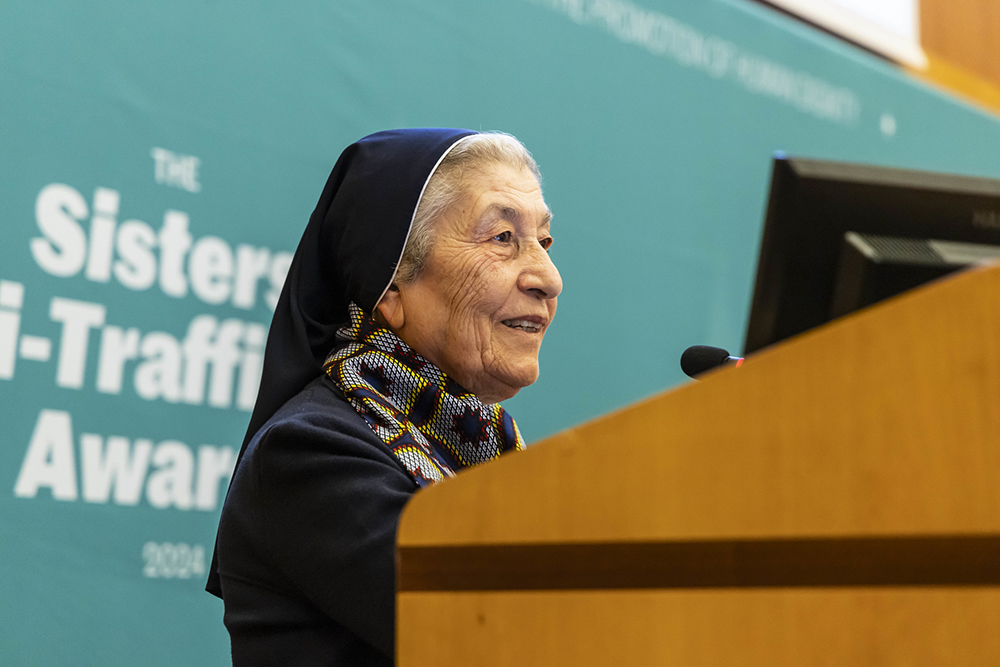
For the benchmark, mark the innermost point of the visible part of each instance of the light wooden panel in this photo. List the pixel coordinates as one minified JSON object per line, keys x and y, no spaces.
{"x":759,"y":628}
{"x":960,"y":39}
{"x":885,"y":423}
{"x":964,"y":33}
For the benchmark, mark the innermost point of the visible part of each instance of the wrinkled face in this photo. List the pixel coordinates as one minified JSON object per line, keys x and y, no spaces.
{"x":487,"y":293}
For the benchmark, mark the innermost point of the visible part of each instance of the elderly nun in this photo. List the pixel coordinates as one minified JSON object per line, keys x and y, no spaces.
{"x":416,"y":301}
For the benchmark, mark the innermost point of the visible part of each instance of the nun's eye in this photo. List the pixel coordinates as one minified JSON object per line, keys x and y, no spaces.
{"x":505,"y":237}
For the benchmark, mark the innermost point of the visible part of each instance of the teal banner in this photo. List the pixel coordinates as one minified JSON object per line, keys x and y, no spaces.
{"x":160,"y":160}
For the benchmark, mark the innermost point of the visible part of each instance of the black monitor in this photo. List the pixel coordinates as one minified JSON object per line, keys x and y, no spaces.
{"x":838,"y":237}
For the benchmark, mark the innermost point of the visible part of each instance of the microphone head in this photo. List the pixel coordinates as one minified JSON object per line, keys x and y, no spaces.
{"x":699,"y":358}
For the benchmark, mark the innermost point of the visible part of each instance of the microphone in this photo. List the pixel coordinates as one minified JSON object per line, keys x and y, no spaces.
{"x":700,"y":358}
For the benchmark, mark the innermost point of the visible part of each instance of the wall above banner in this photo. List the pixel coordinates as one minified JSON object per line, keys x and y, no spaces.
{"x":889,"y":27}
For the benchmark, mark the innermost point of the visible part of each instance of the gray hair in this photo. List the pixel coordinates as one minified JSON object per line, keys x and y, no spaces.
{"x":471,"y":154}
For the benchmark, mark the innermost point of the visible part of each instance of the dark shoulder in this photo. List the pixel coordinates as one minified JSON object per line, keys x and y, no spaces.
{"x":307,"y":537}
{"x":316,"y":449}
{"x":319,"y":418}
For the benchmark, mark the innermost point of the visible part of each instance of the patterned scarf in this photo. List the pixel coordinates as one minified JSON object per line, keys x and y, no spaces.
{"x":432,"y":425}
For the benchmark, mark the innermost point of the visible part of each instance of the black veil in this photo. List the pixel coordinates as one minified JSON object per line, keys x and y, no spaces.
{"x":348,"y":252}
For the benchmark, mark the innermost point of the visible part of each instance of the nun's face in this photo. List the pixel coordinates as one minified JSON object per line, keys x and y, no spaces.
{"x":487,"y":293}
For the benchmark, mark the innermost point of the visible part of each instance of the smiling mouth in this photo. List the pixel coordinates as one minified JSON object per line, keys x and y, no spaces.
{"x":523,"y":325}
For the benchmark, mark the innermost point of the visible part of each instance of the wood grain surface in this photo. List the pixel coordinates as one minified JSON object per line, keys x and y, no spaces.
{"x":963,"y":33}
{"x":912,"y":627}
{"x":834,"y":501}
{"x":886,"y":423}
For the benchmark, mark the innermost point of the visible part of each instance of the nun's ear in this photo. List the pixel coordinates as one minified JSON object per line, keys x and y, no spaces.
{"x":390,"y":307}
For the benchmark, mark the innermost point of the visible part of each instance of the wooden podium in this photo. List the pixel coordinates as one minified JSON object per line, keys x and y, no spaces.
{"x":834,"y":501}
